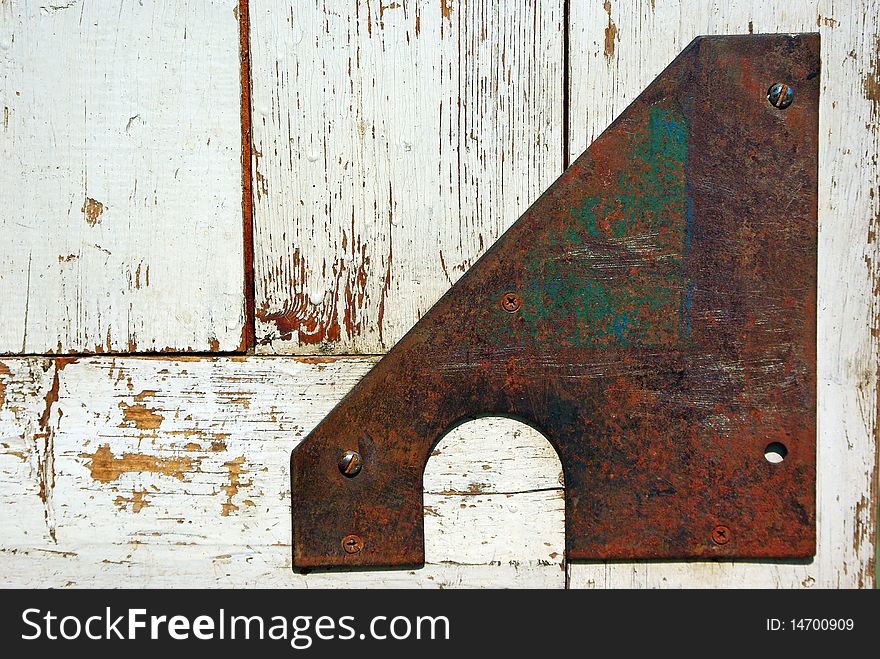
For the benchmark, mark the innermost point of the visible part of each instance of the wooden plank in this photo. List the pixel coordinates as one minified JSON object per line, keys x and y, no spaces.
{"x":122,"y":174}
{"x":393,"y":143}
{"x":175,"y":473}
{"x":26,"y":453}
{"x":616,"y":49}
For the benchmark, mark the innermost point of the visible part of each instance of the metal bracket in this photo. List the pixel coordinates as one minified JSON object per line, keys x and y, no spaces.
{"x":653,"y":314}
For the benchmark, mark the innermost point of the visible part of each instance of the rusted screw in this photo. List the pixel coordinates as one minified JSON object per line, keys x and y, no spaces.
{"x":721,"y":535}
{"x":510,"y":302}
{"x":780,"y":95}
{"x":352,"y":544}
{"x":350,"y":463}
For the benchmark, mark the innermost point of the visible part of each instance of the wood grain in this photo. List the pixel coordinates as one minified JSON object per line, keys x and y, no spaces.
{"x":139,"y":471}
{"x":616,"y":49}
{"x":393,"y":143}
{"x":121,"y":229}
{"x":156,"y":473}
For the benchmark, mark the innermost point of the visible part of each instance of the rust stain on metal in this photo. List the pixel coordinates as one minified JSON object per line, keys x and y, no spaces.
{"x":106,"y":467}
{"x":655,"y":346}
{"x":92,"y":209}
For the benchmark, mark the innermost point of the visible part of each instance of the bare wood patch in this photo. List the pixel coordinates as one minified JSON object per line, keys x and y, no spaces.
{"x":106,"y":467}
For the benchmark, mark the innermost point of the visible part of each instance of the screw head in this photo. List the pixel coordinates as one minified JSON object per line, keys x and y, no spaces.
{"x":350,"y":463}
{"x":780,"y":95}
{"x":352,"y":544}
{"x":510,"y":302}
{"x":721,"y":535}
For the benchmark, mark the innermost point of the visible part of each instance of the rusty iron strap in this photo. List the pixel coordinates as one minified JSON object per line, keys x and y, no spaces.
{"x":653,"y":314}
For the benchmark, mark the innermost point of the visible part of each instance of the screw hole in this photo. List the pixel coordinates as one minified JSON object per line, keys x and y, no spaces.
{"x":775,"y":452}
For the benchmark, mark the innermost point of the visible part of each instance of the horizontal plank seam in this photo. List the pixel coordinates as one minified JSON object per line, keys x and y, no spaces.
{"x":466,"y":493}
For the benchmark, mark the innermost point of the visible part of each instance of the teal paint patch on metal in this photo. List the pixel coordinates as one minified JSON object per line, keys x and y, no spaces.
{"x":617,"y":266}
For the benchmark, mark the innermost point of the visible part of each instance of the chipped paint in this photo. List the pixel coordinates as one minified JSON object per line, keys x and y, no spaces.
{"x":106,"y":467}
{"x":446,"y":9}
{"x":871,"y":83}
{"x":138,"y":501}
{"x":92,"y":209}
{"x":144,"y":394}
{"x":610,"y":33}
{"x":139,"y":416}
{"x":236,"y":469}
{"x":5,"y":376}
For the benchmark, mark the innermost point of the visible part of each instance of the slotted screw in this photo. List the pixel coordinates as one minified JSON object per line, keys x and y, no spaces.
{"x":780,"y":95}
{"x":350,"y":463}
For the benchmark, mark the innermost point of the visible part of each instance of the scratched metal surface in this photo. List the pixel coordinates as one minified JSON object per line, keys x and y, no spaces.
{"x":661,"y":333}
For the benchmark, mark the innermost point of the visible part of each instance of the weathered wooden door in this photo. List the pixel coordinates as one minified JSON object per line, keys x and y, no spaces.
{"x":218,"y":216}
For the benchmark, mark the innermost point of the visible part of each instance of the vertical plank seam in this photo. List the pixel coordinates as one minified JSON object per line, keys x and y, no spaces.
{"x":247,"y":207}
{"x":566,"y":115}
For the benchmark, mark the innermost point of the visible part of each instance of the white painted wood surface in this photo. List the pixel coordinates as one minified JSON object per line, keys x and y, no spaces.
{"x":619,"y":47}
{"x":121,"y":226}
{"x":351,"y":168}
{"x":393,"y":143}
{"x":149,"y":472}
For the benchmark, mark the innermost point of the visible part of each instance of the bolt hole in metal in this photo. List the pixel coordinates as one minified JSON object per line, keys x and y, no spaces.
{"x":780,"y":95}
{"x":775,"y":452}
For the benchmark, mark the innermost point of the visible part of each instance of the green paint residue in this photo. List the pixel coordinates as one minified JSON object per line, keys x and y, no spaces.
{"x":646,"y":203}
